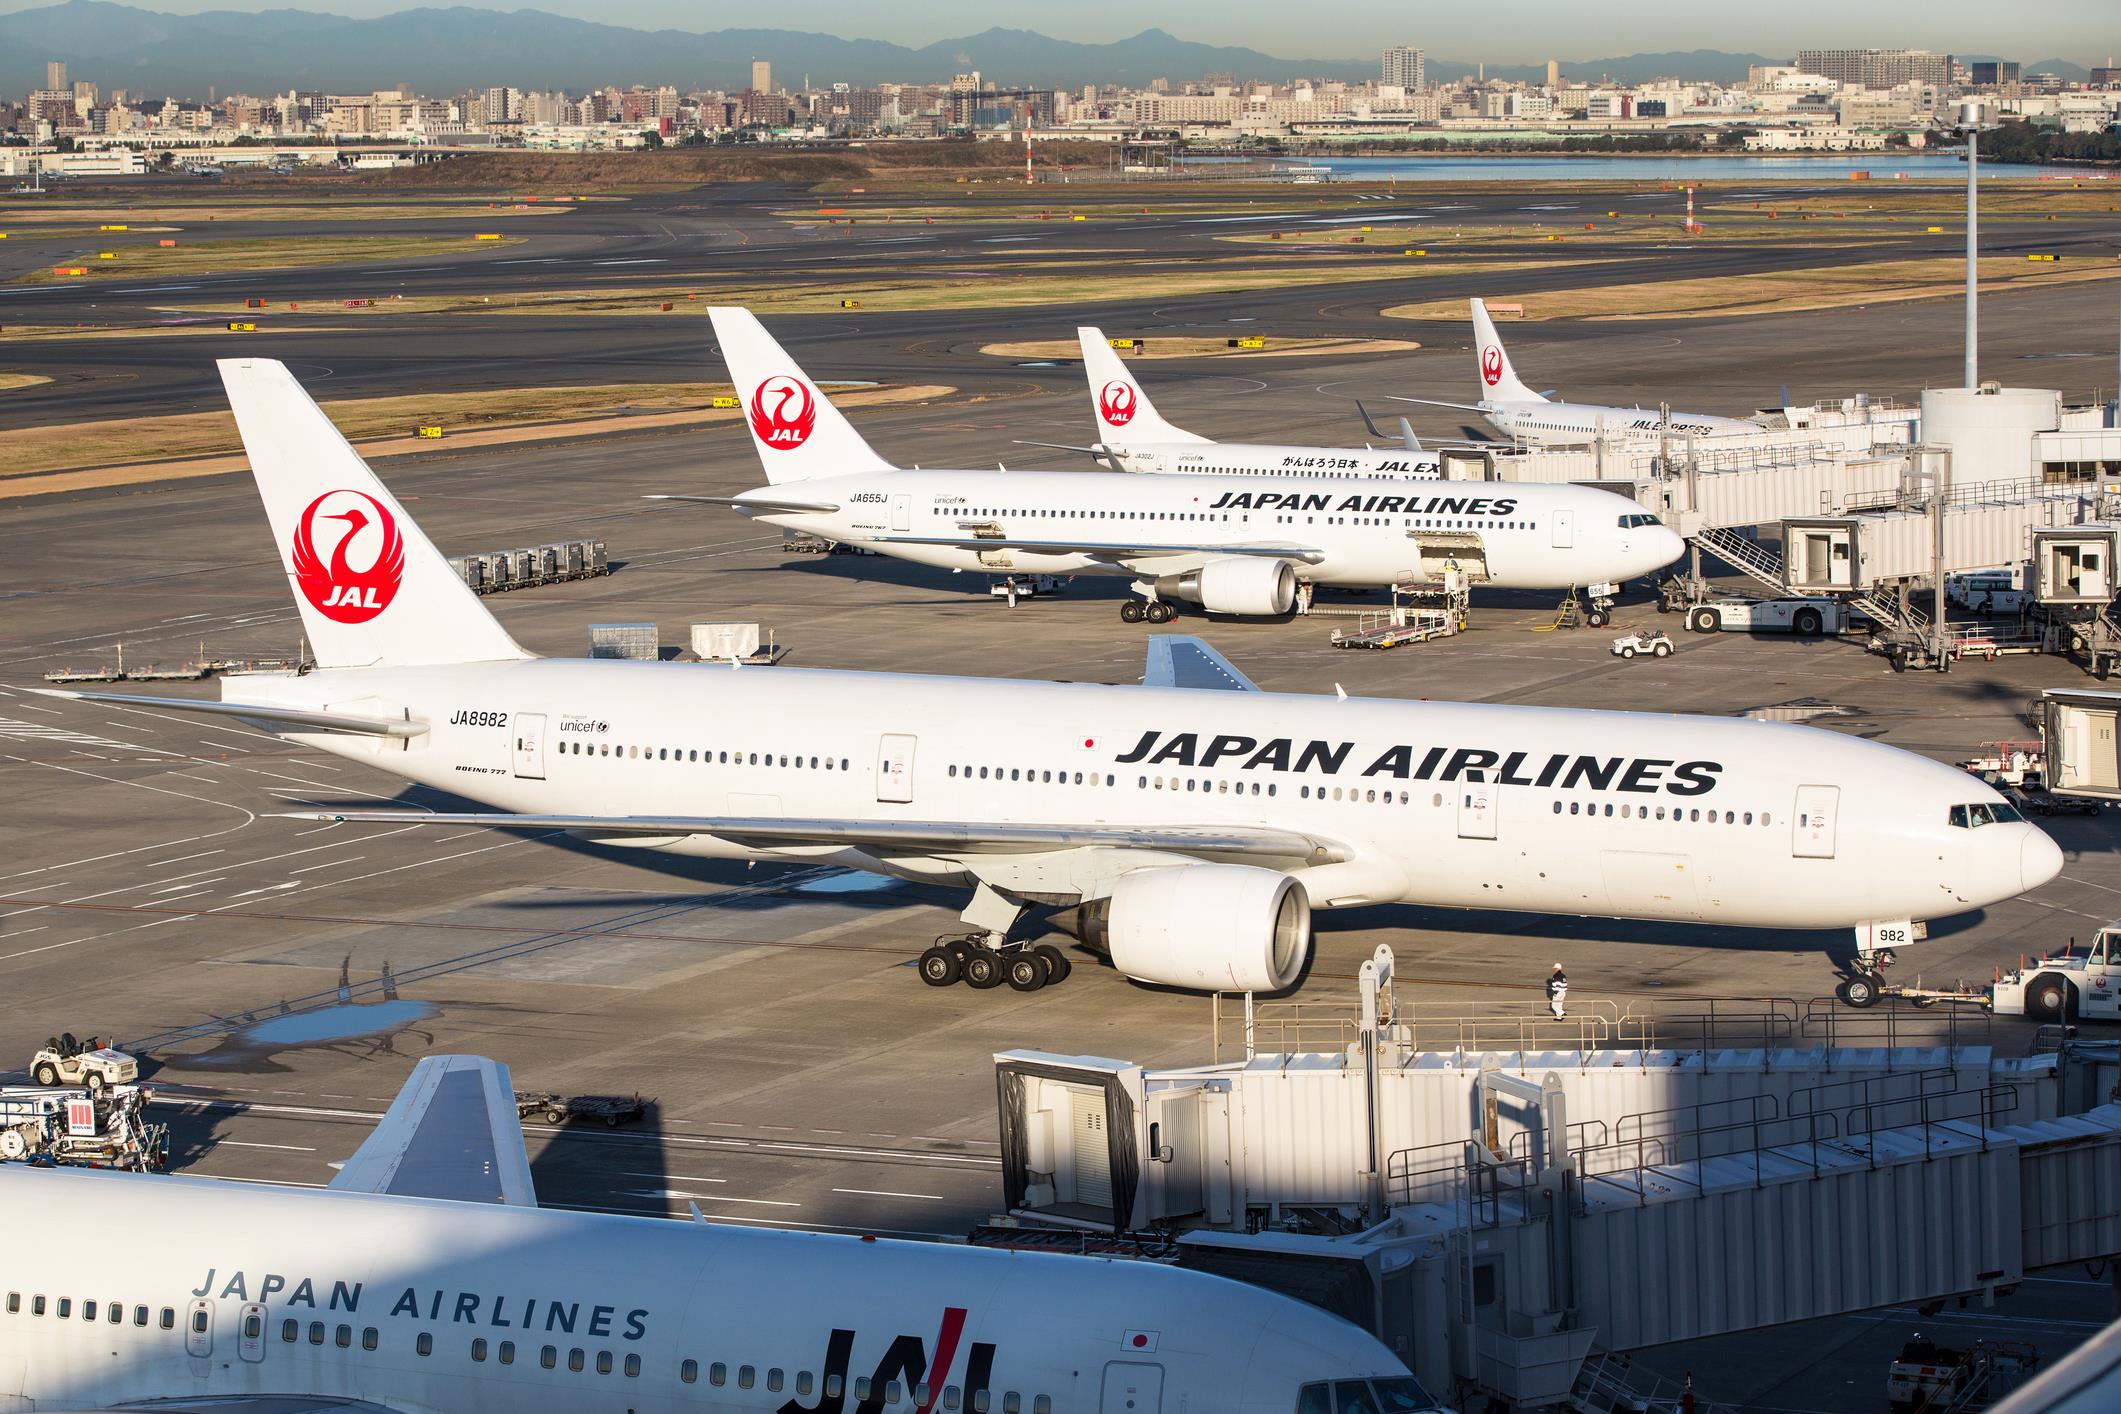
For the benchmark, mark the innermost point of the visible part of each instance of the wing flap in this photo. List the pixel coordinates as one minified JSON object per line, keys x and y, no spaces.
{"x":452,"y":1132}
{"x":939,"y":837}
{"x":1181,"y":660}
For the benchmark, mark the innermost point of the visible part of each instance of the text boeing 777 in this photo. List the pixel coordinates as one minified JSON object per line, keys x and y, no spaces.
{"x":1515,"y":410}
{"x":1236,"y":545}
{"x":1195,"y":818}
{"x":438,"y":1285}
{"x":1133,"y":436}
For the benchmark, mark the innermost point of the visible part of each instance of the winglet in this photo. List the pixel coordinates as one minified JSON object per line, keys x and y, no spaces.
{"x":452,"y":1132}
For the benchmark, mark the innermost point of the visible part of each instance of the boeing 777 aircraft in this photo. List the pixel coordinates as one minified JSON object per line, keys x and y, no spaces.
{"x":1133,"y":436}
{"x":1196,"y":820}
{"x":426,"y":1278}
{"x":1237,"y":546}
{"x":1514,"y":410}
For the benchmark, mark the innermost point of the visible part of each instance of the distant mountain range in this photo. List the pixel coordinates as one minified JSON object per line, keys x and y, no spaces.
{"x":441,"y":51}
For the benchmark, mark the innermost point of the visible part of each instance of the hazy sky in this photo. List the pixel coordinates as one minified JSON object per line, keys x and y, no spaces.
{"x":1527,"y":30}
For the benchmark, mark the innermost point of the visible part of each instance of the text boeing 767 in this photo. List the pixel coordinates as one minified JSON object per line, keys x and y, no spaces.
{"x":1196,"y":819}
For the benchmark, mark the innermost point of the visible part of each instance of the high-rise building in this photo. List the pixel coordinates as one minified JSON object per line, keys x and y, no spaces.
{"x":1553,"y":73}
{"x":1991,"y":73}
{"x":1405,"y":67}
{"x":55,"y":75}
{"x":1877,"y":68}
{"x":761,"y":76}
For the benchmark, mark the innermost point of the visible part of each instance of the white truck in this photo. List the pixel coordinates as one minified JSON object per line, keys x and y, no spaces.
{"x":100,"y":1129}
{"x":1804,"y":617}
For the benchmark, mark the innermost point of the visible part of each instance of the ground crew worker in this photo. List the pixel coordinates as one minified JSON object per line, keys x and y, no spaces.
{"x":1557,"y":991}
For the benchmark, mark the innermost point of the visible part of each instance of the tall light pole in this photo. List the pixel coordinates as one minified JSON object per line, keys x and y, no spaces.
{"x":1970,"y":121}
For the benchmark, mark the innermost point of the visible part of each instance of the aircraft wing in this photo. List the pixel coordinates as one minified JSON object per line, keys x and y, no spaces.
{"x":451,"y":1133}
{"x":1107,"y":549}
{"x":770,"y":505}
{"x":297,"y":718}
{"x":1440,"y":403}
{"x":1181,"y":660}
{"x":933,"y":837}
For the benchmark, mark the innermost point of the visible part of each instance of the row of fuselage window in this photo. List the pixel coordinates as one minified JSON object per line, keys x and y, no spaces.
{"x":503,"y":1352}
{"x":1408,"y":522}
{"x":725,"y":758}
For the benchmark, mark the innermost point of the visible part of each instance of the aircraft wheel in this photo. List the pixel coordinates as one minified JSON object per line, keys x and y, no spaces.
{"x":1861,"y":990}
{"x":983,"y":970}
{"x":1132,"y":612}
{"x":940,"y":967}
{"x":1026,"y":972}
{"x":1161,"y":613}
{"x":1057,"y":965}
{"x":47,"y":1075}
{"x":2050,"y":998}
{"x":1598,"y":618}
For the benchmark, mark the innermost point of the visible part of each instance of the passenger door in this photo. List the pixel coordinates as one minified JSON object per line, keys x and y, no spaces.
{"x":902,"y":512}
{"x":250,"y":1338}
{"x":530,"y":746}
{"x":1478,"y":806}
{"x":1814,"y":822}
{"x":1564,"y":530}
{"x":894,"y":769}
{"x":199,"y":1329}
{"x":1132,"y":1387}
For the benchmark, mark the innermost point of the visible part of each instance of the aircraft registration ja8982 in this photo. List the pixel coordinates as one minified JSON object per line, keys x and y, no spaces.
{"x":1196,"y":820}
{"x":1235,"y":545}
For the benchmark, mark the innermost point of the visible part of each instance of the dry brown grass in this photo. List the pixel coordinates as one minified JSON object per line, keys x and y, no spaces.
{"x":149,"y":262}
{"x":11,"y":381}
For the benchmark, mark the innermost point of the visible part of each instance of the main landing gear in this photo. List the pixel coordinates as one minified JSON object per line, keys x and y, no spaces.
{"x":1156,"y":611}
{"x":982,"y":967}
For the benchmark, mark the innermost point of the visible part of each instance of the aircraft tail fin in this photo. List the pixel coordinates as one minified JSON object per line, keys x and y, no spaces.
{"x":372,"y":590}
{"x":1499,"y":382}
{"x":798,"y":432}
{"x":1123,"y":410}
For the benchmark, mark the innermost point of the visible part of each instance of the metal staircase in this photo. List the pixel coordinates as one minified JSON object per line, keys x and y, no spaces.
{"x":1609,"y":1383}
{"x":1748,"y":557}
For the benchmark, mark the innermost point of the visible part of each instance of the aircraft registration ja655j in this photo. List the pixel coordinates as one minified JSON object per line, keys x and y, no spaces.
{"x":1195,"y":820}
{"x":1234,"y":545}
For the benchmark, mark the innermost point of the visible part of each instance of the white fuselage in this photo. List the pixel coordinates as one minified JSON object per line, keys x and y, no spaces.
{"x":123,"y":1287}
{"x":1632,"y":815}
{"x":1543,"y":423}
{"x":1256,"y":459}
{"x":1530,"y":536}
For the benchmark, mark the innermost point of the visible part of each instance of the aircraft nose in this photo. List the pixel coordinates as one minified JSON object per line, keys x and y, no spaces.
{"x":1661,"y":545}
{"x":2039,"y":859}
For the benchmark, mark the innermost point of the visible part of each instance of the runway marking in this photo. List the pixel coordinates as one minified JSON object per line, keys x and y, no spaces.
{"x":159,"y":863}
{"x":16,"y":730}
{"x":199,"y":884}
{"x":674,"y":1194}
{"x":327,"y":864}
{"x":253,"y":1144}
{"x":887,"y":1193}
{"x":673,"y":1177}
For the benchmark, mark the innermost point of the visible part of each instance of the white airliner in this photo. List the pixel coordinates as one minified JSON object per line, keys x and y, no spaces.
{"x":426,"y":1279}
{"x":1514,"y":410}
{"x":1237,"y":546}
{"x":1196,"y":819}
{"x":1133,"y":436}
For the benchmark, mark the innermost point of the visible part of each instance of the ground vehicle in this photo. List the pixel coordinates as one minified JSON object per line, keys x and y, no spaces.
{"x":2010,"y":761}
{"x":1801,"y":616}
{"x":1653,"y":641}
{"x":2032,"y":797}
{"x":1927,"y":1375}
{"x":90,"y":1063}
{"x":1986,"y":592}
{"x":614,"y":1110}
{"x":2066,"y":987}
{"x":106,"y":1129}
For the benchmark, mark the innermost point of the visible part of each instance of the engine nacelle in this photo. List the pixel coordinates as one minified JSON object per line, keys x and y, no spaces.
{"x":1236,"y":586}
{"x":1213,"y":927}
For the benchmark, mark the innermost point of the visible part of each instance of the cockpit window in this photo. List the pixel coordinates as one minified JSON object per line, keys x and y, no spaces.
{"x":1973,"y":817}
{"x":1397,"y":1394}
{"x":1634,"y":522}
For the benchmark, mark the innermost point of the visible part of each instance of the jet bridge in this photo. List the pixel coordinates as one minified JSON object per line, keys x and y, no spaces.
{"x":1507,"y":1200}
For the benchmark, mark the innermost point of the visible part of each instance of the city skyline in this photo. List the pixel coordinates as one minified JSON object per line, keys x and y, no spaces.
{"x":2077,"y":30}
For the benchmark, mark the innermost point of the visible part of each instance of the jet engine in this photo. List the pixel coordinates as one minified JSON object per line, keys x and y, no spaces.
{"x":1236,"y":585}
{"x":1213,"y":927}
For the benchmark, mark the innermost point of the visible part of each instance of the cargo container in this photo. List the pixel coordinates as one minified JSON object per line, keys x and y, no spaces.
{"x":641,"y":642}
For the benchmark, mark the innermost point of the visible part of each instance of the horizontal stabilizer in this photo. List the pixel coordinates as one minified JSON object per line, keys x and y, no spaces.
{"x":1440,"y":403}
{"x":1181,"y":660}
{"x":885,"y":837}
{"x":293,"y":718}
{"x":1061,"y":447}
{"x":771,"y":505}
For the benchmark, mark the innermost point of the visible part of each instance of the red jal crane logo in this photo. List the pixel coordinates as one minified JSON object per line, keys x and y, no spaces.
{"x":1115,"y":403}
{"x":1491,"y":364}
{"x":782,"y":413}
{"x":369,"y":539}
